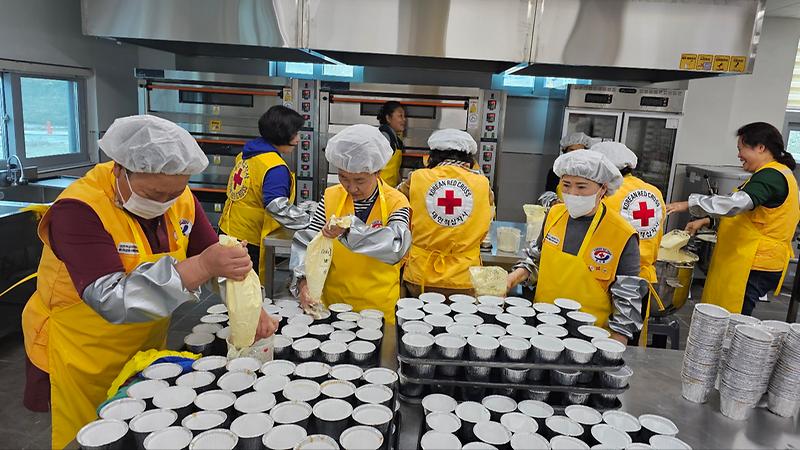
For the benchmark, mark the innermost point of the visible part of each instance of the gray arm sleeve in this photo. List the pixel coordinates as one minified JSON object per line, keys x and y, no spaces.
{"x":287,"y":214}
{"x":388,"y":244}
{"x":150,"y":292}
{"x":627,"y":292}
{"x":719,"y":205}
{"x":533,"y":253}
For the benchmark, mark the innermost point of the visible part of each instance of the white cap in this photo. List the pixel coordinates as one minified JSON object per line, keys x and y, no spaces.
{"x":452,"y":139}
{"x":150,"y":144}
{"x":617,"y":153}
{"x":576,"y":138}
{"x":358,"y":148}
{"x":590,"y":165}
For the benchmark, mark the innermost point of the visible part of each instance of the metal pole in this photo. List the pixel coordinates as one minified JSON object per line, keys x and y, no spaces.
{"x":794,"y":301}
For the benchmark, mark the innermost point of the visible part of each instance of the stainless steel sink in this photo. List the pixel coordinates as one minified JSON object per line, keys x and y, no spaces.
{"x":31,"y":193}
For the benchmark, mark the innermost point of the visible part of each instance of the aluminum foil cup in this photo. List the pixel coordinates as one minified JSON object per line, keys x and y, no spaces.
{"x":337,"y":308}
{"x":244,"y":363}
{"x":149,"y":421}
{"x":529,"y":441}
{"x":491,"y":329}
{"x":103,"y":434}
{"x":464,"y":308}
{"x":199,"y":380}
{"x":551,"y":319}
{"x":509,"y":319}
{"x":440,"y":403}
{"x":461,"y":329}
{"x":482,"y":348}
{"x":607,"y":400}
{"x":432,"y":297}
{"x":616,"y":378}
{"x":445,"y":422}
{"x":439,"y":322}
{"x":345,"y":325}
{"x":435,"y":440}
{"x":201,"y":343}
{"x":373,"y":314}
{"x":282,"y":346}
{"x":218,"y":400}
{"x":305,"y":349}
{"x":376,"y":394}
{"x":408,"y":314}
{"x":317,"y":442}
{"x":546,"y":349}
{"x":499,"y":405}
{"x":523,"y":331}
{"x":584,"y":415}
{"x":278,"y":367}
{"x":217,"y":439}
{"x":362,"y":352}
{"x":567,"y":305}
{"x":333,"y":352}
{"x":250,"y":429}
{"x":370,"y":323}
{"x":290,"y":412}
{"x":518,"y":301}
{"x":586,"y":377}
{"x":376,"y":416}
{"x":589,"y":332}
{"x":370,"y":335}
{"x":410,"y":303}
{"x":782,"y":406}
{"x":221,"y":343}
{"x":168,"y":372}
{"x":417,"y":345}
{"x":622,"y":421}
{"x":450,"y":346}
{"x":492,"y":433}
{"x":539,"y":395}
{"x":607,"y":435}
{"x":362,"y":438}
{"x":215,"y":318}
{"x":437,"y":309}
{"x":562,"y":425}
{"x":609,"y":350}
{"x":177,"y":398}
{"x":552,"y":330}
{"x":579,"y":351}
{"x":239,"y":381}
{"x":546,"y":308}
{"x":345,"y":336}
{"x":339,"y":389}
{"x":670,"y":442}
{"x":201,"y":421}
{"x":526,"y":313}
{"x":307,"y":391}
{"x":567,"y":443}
{"x":219,"y":308}
{"x":468,"y":319}
{"x":577,"y":398}
{"x":728,"y":406}
{"x":462,"y":298}
{"x":349,"y":316}
{"x":417,"y":326}
{"x":695,"y":392}
{"x":347,"y":372}
{"x":321,"y":331}
{"x":489,"y":313}
{"x":514,"y":349}
{"x":331,"y":416}
{"x":301,"y":320}
{"x":255,"y":402}
{"x":536,"y":375}
{"x":564,"y":377}
{"x":470,"y":414}
{"x":170,"y":437}
{"x":516,"y":422}
{"x":284,"y":437}
{"x":210,"y":328}
{"x":312,"y":370}
{"x":123,"y":409}
{"x":517,"y":376}
{"x":653,"y":424}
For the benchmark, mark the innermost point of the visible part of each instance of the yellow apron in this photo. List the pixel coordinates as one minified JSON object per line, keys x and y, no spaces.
{"x":81,"y":351}
{"x":360,"y":280}
{"x":391,"y":171}
{"x":754,"y":240}
{"x":245,"y":216}
{"x":451,"y":214}
{"x":585,"y":277}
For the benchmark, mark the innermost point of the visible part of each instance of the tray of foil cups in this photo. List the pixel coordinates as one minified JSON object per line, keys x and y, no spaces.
{"x":542,"y":352}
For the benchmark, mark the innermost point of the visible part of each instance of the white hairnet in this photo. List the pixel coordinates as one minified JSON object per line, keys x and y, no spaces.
{"x":150,"y":144}
{"x":576,"y":138}
{"x":617,"y":153}
{"x":452,"y":139}
{"x":590,"y":165}
{"x":358,"y":148}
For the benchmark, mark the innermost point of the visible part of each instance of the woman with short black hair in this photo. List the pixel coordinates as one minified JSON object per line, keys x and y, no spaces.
{"x":392,"y":118}
{"x":261,"y":188}
{"x":756,"y":226}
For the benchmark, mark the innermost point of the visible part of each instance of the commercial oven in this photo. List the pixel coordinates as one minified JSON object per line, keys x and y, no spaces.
{"x":221,"y":111}
{"x":428,"y":108}
{"x":644,"y":119}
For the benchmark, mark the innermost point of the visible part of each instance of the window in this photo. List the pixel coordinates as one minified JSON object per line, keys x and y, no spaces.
{"x":794,"y":90}
{"x":793,"y":144}
{"x":45,"y":119}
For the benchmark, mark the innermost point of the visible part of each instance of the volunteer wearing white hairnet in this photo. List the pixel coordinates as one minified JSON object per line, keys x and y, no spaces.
{"x":570,"y":142}
{"x":642,"y":205}
{"x":587,"y":252}
{"x":124,"y":246}
{"x":451,"y":208}
{"x":365,"y":267}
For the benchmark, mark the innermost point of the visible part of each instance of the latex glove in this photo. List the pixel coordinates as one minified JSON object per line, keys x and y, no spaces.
{"x":267,"y":326}
{"x":309,"y":206}
{"x":331,"y":231}
{"x":516,"y":277}
{"x":677,"y":207}
{"x":305,"y":298}
{"x":548,"y":199}
{"x":694,"y":226}
{"x":227,"y":262}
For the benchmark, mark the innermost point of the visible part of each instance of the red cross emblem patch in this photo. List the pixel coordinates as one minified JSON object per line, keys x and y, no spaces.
{"x":644,"y":211}
{"x":239,"y":182}
{"x":449,"y":202}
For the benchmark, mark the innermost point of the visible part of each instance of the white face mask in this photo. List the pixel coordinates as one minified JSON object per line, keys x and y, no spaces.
{"x":579,"y":205}
{"x":143,"y":207}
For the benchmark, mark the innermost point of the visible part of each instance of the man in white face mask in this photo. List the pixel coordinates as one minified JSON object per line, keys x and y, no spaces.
{"x":586,"y":251}
{"x":124,"y":246}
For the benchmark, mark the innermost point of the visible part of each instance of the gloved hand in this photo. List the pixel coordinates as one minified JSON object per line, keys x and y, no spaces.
{"x":548,"y":199}
{"x":228,"y":262}
{"x":308,"y":206}
{"x":267,"y":326}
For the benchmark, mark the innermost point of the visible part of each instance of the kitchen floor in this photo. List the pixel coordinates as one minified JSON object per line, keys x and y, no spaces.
{"x":22,"y":429}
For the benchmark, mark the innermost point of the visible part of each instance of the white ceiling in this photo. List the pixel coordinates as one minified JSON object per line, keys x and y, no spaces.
{"x":783,"y":8}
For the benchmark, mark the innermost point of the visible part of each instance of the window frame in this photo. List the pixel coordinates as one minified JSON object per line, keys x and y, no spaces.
{"x":15,"y":121}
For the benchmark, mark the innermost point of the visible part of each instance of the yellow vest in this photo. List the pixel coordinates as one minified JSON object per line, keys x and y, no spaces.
{"x":391,"y":171}
{"x":759,"y":239}
{"x":81,"y":351}
{"x":451,"y":214}
{"x":245,"y":216}
{"x":585,"y":277}
{"x":360,"y":280}
{"x":642,"y":205}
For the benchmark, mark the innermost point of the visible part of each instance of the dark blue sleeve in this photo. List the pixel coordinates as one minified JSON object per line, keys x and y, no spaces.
{"x":277,"y":183}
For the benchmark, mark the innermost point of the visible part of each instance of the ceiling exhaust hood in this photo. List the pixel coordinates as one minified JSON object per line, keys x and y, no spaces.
{"x":644,"y":40}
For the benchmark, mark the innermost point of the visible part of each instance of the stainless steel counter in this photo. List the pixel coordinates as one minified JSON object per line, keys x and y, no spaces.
{"x":655,"y":388}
